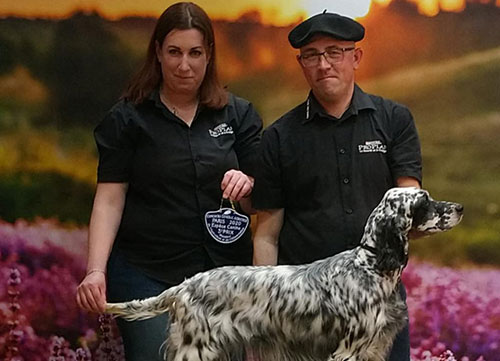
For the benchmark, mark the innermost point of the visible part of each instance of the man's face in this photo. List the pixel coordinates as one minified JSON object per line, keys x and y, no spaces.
{"x":330,"y":76}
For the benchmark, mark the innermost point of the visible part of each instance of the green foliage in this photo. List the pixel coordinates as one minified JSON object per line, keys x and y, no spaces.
{"x":47,"y":194}
{"x":84,"y":64}
{"x":7,"y":60}
{"x":271,"y":93}
{"x":478,"y":243}
{"x":484,"y":250}
{"x":25,"y":42}
{"x":86,"y":69}
{"x":26,"y":149}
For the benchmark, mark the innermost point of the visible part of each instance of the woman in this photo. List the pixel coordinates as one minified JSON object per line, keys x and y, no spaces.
{"x":169,"y":152}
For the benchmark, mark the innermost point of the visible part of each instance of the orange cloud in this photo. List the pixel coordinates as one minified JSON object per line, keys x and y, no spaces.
{"x":278,"y":12}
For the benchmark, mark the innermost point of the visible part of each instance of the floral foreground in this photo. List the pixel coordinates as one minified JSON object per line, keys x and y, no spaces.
{"x":454,"y":314}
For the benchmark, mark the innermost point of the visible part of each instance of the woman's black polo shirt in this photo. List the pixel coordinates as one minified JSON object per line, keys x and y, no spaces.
{"x":328,"y":174}
{"x":174,"y":173}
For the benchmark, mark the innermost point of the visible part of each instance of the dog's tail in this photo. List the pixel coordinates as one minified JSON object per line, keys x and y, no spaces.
{"x":142,"y":309}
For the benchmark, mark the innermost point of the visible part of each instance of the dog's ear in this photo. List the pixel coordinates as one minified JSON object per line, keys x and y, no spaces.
{"x":391,"y":246}
{"x":420,"y":210}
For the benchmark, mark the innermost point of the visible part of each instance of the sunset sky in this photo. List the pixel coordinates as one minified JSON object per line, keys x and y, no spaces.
{"x":278,"y":12}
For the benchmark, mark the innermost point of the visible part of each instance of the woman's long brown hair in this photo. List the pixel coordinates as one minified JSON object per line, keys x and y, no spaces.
{"x":181,"y":16}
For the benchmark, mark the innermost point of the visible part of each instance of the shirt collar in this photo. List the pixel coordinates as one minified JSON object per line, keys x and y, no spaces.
{"x":155,"y":97}
{"x":360,"y":100}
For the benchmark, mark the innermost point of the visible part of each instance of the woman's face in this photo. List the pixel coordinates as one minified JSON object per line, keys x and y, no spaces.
{"x":183,"y":58}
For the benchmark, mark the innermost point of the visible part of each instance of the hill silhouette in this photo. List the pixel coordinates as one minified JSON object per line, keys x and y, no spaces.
{"x":398,"y":36}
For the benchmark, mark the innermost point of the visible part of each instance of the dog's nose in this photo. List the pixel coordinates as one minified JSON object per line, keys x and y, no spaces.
{"x":459,"y":208}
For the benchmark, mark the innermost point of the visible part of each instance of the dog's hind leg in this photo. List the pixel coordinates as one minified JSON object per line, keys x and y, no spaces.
{"x":190,"y":338}
{"x":193,"y":350}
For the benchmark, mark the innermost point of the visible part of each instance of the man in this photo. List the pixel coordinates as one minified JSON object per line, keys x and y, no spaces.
{"x":327,"y":163}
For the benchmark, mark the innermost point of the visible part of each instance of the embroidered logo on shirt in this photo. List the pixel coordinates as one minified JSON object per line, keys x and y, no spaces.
{"x":221,"y":129}
{"x":372,"y":146}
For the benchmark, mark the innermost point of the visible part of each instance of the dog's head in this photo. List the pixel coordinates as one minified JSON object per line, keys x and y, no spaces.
{"x":414,"y":209}
{"x":430,"y":216}
{"x":401,"y":211}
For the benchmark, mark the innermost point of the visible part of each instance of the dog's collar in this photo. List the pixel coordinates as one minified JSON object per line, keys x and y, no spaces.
{"x":369,"y":248}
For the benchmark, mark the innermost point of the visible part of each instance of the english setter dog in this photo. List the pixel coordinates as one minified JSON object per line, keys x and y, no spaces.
{"x":345,"y":307}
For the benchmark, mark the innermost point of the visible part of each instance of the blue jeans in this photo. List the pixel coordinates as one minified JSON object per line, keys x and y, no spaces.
{"x":142,"y":340}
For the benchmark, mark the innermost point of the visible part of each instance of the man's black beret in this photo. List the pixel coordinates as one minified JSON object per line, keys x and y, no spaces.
{"x":335,"y":25}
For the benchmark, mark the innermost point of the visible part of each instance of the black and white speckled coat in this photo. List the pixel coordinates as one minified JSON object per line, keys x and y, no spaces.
{"x":341,"y":308}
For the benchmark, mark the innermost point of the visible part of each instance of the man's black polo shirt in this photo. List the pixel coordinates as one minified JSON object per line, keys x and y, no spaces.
{"x":328,"y":174}
{"x":174,"y":173}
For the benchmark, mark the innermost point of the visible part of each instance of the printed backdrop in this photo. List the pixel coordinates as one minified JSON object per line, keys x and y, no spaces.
{"x":63,"y":66}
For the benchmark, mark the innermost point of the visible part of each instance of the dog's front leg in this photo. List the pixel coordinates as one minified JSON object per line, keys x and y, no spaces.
{"x":337,"y":357}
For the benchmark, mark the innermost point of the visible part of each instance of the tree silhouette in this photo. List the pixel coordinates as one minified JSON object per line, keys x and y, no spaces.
{"x":86,"y":70}
{"x":7,"y":60}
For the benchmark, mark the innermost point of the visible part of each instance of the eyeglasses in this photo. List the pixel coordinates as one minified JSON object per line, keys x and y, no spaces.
{"x":333,"y":55}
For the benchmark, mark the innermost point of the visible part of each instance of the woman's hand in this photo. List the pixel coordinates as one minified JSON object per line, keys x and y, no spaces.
{"x":91,"y":293}
{"x":236,"y":185}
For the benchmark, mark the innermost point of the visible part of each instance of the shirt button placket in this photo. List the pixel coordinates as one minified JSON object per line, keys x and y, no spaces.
{"x":195,"y":158}
{"x":345,"y":180}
